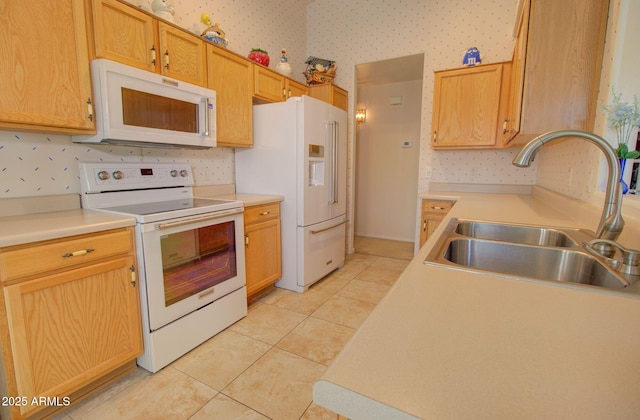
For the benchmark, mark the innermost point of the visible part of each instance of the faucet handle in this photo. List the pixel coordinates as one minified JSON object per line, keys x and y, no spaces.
{"x":630,"y":263}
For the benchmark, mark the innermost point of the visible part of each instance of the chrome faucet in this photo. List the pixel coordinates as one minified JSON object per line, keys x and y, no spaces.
{"x":611,"y":222}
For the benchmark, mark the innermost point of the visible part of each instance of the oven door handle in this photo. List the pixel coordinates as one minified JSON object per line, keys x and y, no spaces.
{"x":162,"y":226}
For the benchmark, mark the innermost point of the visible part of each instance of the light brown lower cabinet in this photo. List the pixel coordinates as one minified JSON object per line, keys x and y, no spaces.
{"x":69,"y":320}
{"x":263,"y":252}
{"x":433,"y":211}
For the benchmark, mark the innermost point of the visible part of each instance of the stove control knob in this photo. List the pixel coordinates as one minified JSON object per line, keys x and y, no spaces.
{"x":103,"y":175}
{"x":173,"y":173}
{"x":183,"y":173}
{"x":118,"y":175}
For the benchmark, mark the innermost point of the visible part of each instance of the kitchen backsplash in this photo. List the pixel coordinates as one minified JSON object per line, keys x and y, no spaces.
{"x":36,"y":164}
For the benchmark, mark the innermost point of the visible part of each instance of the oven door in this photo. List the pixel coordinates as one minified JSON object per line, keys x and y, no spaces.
{"x":190,"y":262}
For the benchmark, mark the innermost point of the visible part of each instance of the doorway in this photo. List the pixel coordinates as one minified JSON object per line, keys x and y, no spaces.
{"x":387,"y":152}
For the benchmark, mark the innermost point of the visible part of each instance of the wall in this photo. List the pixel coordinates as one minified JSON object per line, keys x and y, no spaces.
{"x":386,"y":172}
{"x":38,"y":164}
{"x":442,"y":30}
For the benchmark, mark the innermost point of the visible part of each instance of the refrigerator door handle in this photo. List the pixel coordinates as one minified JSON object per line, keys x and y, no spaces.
{"x":315,"y":232}
{"x":333,"y":126}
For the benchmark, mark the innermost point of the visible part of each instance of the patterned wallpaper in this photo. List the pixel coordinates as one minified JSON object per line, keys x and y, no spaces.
{"x":442,"y":30}
{"x":36,"y":164}
{"x":349,"y":32}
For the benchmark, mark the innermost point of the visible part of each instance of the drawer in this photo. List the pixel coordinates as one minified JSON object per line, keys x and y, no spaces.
{"x":41,"y":257}
{"x":261,"y":213}
{"x":437,"y":206}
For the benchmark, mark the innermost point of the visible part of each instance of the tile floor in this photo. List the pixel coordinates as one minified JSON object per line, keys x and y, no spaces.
{"x":264,"y":366}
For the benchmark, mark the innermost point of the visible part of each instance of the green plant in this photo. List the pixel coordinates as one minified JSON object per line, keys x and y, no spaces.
{"x":623,"y":117}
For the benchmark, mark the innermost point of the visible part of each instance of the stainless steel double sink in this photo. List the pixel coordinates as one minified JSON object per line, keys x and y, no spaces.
{"x":526,"y":251}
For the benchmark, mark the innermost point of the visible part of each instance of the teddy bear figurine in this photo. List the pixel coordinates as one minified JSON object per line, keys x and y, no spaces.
{"x":163,"y":9}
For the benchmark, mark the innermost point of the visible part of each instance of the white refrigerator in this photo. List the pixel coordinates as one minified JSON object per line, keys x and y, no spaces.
{"x":300,"y":152}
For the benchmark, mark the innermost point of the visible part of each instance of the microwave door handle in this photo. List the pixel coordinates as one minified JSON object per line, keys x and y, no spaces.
{"x":207,"y":113}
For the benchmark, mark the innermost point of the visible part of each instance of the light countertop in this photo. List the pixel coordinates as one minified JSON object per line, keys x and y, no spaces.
{"x":252,"y":199}
{"x":17,"y":226}
{"x":450,"y":344}
{"x":27,"y":228}
{"x":228,"y":192}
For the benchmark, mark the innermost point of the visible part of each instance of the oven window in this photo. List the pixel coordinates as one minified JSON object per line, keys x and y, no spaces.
{"x":143,"y":109}
{"x":195,"y":260}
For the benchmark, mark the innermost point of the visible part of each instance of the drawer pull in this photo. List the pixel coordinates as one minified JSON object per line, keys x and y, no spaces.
{"x":78,"y":253}
{"x":265,"y":213}
{"x":437,"y":208}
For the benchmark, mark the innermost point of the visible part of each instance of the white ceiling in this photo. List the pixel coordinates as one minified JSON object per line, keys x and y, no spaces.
{"x":395,"y":70}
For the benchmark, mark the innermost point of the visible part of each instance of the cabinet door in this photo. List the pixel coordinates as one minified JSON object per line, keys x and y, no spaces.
{"x":69,"y":328}
{"x":331,"y":94}
{"x":262,"y":253}
{"x":262,"y":247}
{"x":433,"y":212}
{"x":45,"y":82}
{"x":517,"y":75}
{"x":466,"y":106}
{"x":124,"y":34}
{"x":268,"y":85}
{"x":232,"y":79}
{"x":295,"y":89}
{"x":340,"y":98}
{"x":564,"y":49}
{"x":183,"y":55}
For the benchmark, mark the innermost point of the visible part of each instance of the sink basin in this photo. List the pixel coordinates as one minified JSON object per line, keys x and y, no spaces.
{"x":525,"y":251}
{"x":532,"y":235}
{"x":539,"y":262}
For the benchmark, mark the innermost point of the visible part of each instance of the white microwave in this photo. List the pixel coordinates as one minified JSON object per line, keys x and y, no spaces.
{"x":135,"y":107}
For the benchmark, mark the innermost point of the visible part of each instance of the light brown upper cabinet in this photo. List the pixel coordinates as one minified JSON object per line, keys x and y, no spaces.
{"x":231,"y":76}
{"x":45,"y":82}
{"x":271,"y":86}
{"x":332,"y":94}
{"x":556,"y":67}
{"x":467,"y":104}
{"x":125,"y":34}
{"x":550,"y":84}
{"x":294,"y":88}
